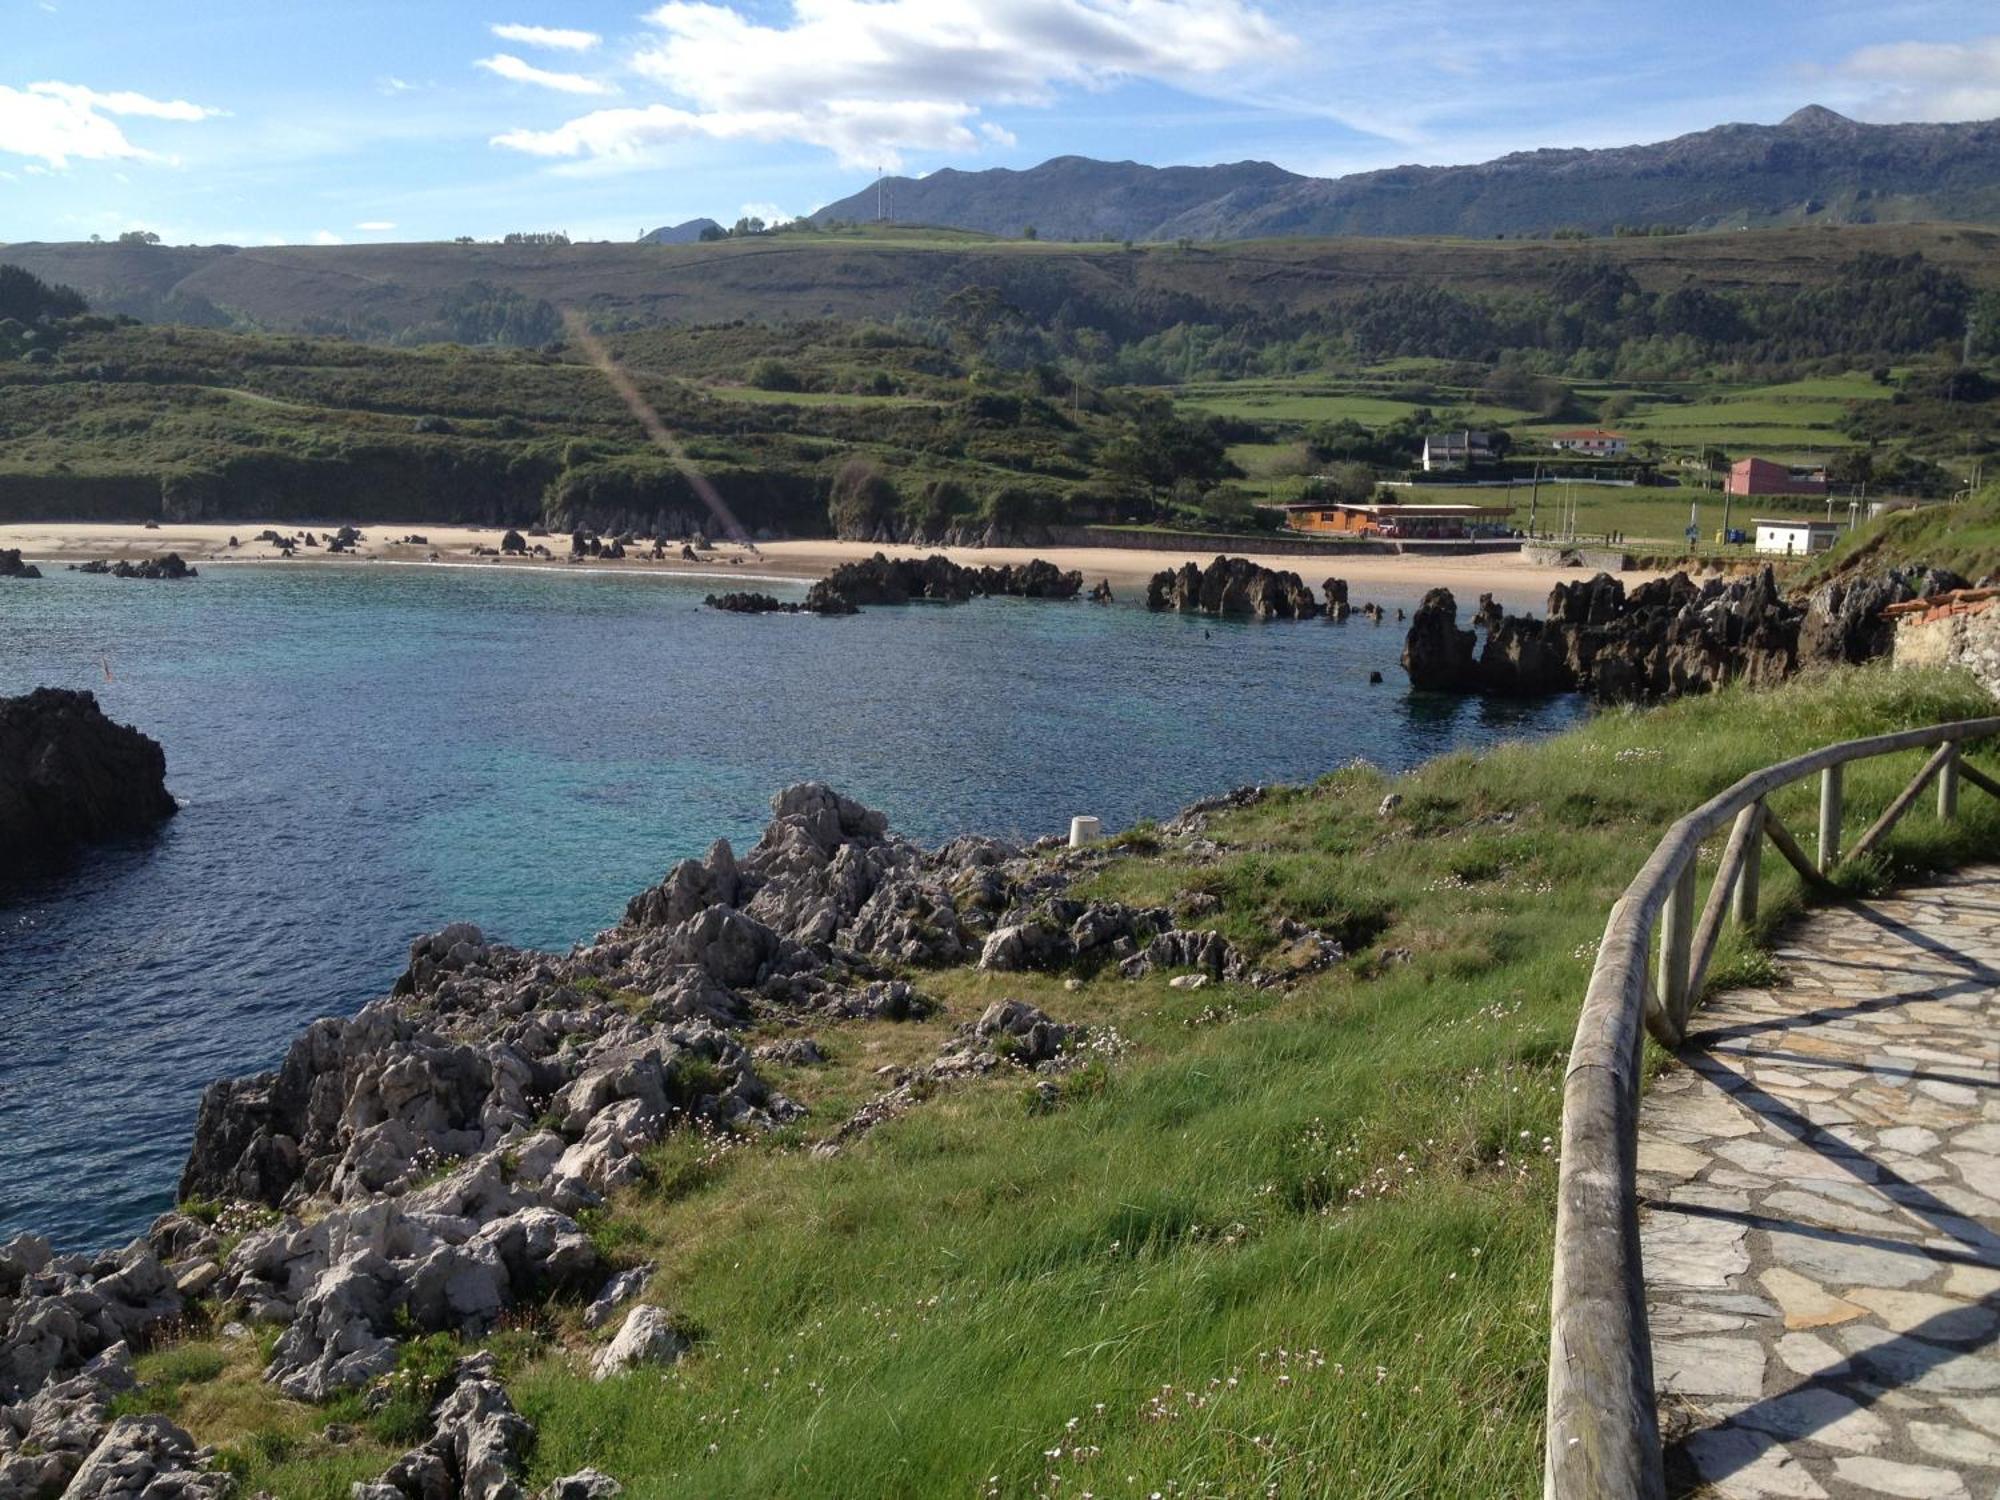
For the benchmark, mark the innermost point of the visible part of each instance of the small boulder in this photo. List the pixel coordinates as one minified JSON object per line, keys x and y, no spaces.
{"x":584,"y":1484}
{"x":648,"y":1337}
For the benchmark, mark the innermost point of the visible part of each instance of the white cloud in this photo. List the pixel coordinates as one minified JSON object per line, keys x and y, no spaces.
{"x":1927,"y":80}
{"x":999,"y":135}
{"x":859,"y":132}
{"x":325,"y":237}
{"x":560,"y":38}
{"x":376,"y":226}
{"x":124,"y":102}
{"x":870,"y":79}
{"x":520,"y":71}
{"x":60,"y":122}
{"x":770,"y":213}
{"x":389,"y":83}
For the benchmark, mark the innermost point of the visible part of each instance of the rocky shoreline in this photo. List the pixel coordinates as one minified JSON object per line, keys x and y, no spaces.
{"x":433,"y":1162}
{"x":1665,"y":638}
{"x":429,"y":1163}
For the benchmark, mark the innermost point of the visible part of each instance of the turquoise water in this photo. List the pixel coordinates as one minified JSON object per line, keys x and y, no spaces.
{"x":364,"y":755}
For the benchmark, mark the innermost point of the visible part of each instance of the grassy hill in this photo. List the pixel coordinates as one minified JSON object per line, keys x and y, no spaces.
{"x":1963,"y":536}
{"x":875,"y":272}
{"x":1286,"y":1241}
{"x":135,"y":421}
{"x":1005,"y":379}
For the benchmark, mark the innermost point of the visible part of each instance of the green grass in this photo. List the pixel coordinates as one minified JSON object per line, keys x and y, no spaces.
{"x":1784,"y":422}
{"x":1276,"y":401}
{"x":1284,"y":1242}
{"x":1963,"y":536}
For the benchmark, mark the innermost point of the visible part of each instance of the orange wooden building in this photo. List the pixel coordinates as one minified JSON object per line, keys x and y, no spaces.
{"x":1406,"y":522}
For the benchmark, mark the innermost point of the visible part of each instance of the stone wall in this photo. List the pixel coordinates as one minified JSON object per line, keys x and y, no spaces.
{"x":1557,"y":555}
{"x":1957,"y":635}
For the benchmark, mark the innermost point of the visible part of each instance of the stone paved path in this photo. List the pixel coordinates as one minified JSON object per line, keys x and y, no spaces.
{"x":1820,"y":1191}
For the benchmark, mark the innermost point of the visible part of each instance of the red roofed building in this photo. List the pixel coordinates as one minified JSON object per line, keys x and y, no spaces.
{"x":1759,"y":476}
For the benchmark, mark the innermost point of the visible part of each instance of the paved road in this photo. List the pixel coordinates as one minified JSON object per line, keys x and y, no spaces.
{"x":1820,"y":1189}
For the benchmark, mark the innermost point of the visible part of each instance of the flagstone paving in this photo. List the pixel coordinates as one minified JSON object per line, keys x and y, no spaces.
{"x":1819,"y":1183}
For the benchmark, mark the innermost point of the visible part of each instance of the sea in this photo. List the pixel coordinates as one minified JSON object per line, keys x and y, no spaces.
{"x":364,"y":754}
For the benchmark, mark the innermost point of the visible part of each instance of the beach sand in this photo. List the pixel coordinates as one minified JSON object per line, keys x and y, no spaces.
{"x":1507,"y":576}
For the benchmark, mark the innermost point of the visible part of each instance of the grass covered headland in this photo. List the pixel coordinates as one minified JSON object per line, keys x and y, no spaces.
{"x":1291,"y":1240}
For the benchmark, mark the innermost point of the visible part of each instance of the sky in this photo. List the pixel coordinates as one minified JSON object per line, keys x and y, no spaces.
{"x":290,"y":122}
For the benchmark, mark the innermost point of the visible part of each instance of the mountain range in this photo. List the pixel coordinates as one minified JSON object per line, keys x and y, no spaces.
{"x":1815,"y":166}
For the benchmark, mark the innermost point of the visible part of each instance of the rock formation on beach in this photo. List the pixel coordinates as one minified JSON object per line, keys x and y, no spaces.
{"x":69,"y":776}
{"x":1665,"y":638}
{"x":1237,"y":586}
{"x":11,"y":565}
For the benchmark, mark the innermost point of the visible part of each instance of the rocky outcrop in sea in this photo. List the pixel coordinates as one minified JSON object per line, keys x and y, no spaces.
{"x":172,"y":566}
{"x":69,"y":776}
{"x":885,"y":580}
{"x":1237,"y":586}
{"x":903,"y":580}
{"x":12,"y":565}
{"x":1665,"y":638}
{"x":819,"y":601}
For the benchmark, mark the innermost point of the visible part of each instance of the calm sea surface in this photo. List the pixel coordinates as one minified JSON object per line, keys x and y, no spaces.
{"x":366,"y":755}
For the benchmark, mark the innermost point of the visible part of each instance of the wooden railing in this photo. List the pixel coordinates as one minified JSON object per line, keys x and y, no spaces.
{"x":1603,"y":1426}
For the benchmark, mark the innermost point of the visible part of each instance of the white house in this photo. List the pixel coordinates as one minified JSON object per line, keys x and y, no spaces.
{"x":1456,"y":450}
{"x":1795,"y":536}
{"x":1597,"y":442}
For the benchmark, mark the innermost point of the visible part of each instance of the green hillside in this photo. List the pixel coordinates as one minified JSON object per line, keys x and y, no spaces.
{"x":878,"y":272}
{"x":1964,"y":536}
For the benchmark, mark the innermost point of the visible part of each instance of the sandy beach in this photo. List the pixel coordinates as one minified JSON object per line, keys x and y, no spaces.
{"x":1508,"y":576}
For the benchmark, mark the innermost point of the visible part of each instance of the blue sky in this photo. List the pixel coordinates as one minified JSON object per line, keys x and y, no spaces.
{"x":276,"y":121}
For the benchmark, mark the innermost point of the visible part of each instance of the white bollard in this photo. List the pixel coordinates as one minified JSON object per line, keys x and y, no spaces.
{"x":1084,"y":830}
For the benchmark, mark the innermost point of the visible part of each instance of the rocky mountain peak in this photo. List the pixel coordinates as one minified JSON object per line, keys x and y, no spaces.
{"x":1816,"y":117}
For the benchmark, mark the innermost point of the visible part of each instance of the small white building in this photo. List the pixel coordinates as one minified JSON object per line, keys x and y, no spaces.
{"x":1597,"y":442}
{"x":1795,"y":536}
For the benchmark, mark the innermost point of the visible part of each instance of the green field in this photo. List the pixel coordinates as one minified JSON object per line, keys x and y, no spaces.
{"x":1787,"y":423}
{"x":1304,"y":400}
{"x":1791,"y":422}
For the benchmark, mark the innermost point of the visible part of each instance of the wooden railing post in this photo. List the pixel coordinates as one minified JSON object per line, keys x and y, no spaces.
{"x":1751,"y":819}
{"x":1829,"y":818}
{"x":1676,"y":949}
{"x":1948,"y":786}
